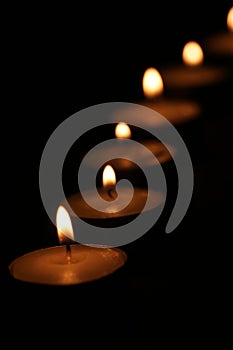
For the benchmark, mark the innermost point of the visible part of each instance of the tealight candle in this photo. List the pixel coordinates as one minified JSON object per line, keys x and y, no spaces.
{"x":183,"y":113}
{"x":160,"y":151}
{"x":111,"y":208}
{"x":177,"y":111}
{"x":67,"y":264}
{"x":193,"y":72}
{"x":123,"y":131}
{"x":221,"y":44}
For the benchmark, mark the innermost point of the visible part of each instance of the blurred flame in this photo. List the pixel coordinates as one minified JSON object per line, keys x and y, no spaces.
{"x":122,"y":130}
{"x":64,"y":224}
{"x":109,"y":176}
{"x":230,"y":19}
{"x":152,"y":83}
{"x":192,"y":54}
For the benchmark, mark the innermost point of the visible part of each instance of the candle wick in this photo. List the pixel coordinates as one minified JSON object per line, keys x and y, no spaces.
{"x":68,"y":253}
{"x":112,"y":193}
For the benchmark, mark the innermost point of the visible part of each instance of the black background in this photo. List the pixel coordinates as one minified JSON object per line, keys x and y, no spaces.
{"x":58,"y":61}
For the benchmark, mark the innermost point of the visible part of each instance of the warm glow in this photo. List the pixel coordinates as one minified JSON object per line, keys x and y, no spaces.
{"x":109,"y":176}
{"x":192,"y":54}
{"x":64,"y":224}
{"x":122,"y":131}
{"x":152,"y":83}
{"x":230,"y":19}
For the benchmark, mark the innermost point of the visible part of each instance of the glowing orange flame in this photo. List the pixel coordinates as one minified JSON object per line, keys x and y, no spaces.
{"x":109,"y":176}
{"x":192,"y":54}
{"x":152,"y":83}
{"x":230,"y":19}
{"x":122,"y":131}
{"x":64,"y":224}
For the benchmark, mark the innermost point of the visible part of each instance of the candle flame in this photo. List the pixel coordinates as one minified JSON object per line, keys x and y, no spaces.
{"x":230,"y":19}
{"x":192,"y":54}
{"x":152,"y":83}
{"x":122,"y":130}
{"x":64,"y":224}
{"x":109,"y":176}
